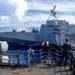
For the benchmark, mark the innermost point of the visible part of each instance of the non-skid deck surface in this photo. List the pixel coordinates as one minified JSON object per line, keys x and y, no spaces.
{"x":36,"y":69}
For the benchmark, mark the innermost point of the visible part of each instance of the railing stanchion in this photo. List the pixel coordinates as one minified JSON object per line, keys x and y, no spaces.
{"x":11,"y":60}
{"x":40,"y":54}
{"x":18,"y":53}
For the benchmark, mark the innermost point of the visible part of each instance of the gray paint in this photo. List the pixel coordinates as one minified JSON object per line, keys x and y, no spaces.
{"x":48,"y":32}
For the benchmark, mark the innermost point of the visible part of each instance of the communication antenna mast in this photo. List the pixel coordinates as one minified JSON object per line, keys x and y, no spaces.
{"x":53,"y":13}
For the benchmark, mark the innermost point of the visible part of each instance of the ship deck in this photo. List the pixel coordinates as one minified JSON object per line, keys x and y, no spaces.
{"x":36,"y":69}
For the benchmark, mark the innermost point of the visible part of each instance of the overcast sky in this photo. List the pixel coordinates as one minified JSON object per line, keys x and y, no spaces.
{"x":32,"y":13}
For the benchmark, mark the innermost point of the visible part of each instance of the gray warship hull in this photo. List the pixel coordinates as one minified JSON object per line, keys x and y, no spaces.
{"x":52,"y":32}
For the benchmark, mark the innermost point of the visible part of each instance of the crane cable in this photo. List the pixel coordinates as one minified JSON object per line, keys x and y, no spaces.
{"x":10,"y":15}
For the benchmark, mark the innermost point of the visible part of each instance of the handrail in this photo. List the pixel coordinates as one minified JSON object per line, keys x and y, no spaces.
{"x":11,"y":55}
{"x":17,"y":55}
{"x":8,"y":54}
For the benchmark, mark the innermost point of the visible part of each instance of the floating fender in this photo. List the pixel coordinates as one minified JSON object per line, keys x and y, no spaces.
{"x":3,"y":49}
{"x":3,"y":46}
{"x":5,"y":59}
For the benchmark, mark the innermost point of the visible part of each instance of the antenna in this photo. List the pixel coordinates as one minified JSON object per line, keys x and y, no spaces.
{"x":53,"y":13}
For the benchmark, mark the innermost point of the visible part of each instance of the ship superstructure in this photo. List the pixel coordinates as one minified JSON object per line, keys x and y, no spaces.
{"x":55,"y":34}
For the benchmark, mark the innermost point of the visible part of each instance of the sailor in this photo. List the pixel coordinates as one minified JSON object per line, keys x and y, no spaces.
{"x":65,"y":52}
